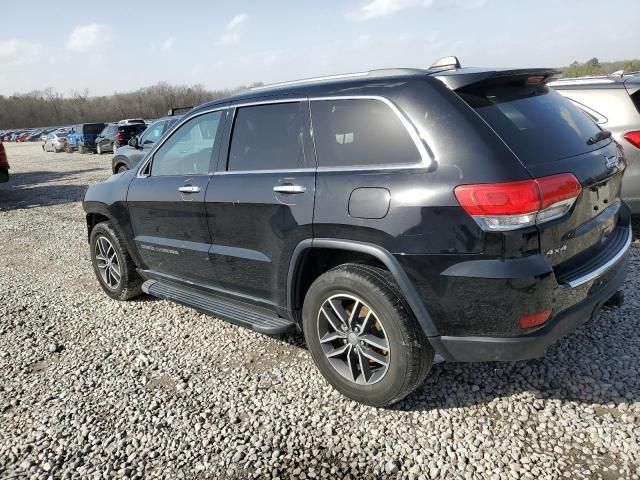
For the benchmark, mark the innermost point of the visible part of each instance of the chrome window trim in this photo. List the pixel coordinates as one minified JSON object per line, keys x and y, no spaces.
{"x":425,"y":159}
{"x":425,"y":163}
{"x":169,"y":133}
{"x":275,"y":170}
{"x":257,"y":103}
{"x":593,"y":274}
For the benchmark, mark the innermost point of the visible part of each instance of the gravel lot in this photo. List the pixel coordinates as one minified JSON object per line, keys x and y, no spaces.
{"x":93,"y":388}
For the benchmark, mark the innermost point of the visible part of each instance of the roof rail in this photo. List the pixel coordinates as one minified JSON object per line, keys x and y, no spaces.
{"x":311,"y":80}
{"x":446,"y":63}
{"x":581,"y":81}
{"x":172,"y":111}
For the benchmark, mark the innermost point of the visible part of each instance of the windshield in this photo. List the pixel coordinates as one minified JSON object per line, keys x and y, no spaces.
{"x":537,"y":123}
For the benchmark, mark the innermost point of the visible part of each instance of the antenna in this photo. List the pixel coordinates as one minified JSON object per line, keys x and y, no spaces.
{"x":446,"y":63}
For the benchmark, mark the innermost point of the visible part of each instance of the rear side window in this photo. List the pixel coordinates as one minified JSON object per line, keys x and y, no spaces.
{"x":537,"y":123}
{"x":267,"y":137}
{"x":358,"y":132}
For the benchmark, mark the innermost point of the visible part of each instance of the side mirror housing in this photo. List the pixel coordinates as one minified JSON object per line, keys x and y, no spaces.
{"x":133,"y":142}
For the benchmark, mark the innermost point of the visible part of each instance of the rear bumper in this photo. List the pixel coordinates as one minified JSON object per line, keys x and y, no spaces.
{"x":535,"y":344}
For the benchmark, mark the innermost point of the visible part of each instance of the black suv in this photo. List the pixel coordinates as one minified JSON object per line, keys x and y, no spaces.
{"x":399,"y":217}
{"x":114,"y":136}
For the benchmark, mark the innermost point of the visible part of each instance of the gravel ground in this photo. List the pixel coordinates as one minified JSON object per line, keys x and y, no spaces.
{"x":93,"y":388}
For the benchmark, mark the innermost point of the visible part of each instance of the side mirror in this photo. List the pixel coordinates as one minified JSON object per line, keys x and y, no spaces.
{"x":133,"y":142}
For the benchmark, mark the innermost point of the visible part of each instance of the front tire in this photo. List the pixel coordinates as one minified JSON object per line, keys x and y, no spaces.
{"x":112,"y":264}
{"x":363,"y":336}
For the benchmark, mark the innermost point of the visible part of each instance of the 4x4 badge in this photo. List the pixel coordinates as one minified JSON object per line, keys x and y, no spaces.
{"x":611,"y":162}
{"x":557,"y":250}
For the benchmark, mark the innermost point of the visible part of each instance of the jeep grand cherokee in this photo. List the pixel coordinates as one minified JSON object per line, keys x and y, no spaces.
{"x":398,"y":217}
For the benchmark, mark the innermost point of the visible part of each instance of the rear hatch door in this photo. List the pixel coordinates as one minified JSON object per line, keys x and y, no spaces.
{"x":550,"y":135}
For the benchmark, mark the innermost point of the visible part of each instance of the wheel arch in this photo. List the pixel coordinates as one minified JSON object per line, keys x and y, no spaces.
{"x":96,"y":212}
{"x":363,"y":250}
{"x":117,"y":162}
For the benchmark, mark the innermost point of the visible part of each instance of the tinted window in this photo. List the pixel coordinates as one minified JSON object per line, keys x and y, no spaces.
{"x":91,"y":128}
{"x":188,"y":150}
{"x":360,"y":132}
{"x":267,"y":137}
{"x":537,"y":123}
{"x":132,"y":129}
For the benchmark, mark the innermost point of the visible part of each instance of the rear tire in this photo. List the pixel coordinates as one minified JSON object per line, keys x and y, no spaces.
{"x":112,"y":264}
{"x":81,"y":148}
{"x":408,"y":354}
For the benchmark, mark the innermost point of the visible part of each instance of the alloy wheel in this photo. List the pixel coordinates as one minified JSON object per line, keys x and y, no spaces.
{"x":107,"y":262}
{"x":353,"y":339}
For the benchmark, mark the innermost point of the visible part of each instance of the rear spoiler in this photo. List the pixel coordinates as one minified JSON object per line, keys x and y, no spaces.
{"x":174,"y":110}
{"x":463,"y":77}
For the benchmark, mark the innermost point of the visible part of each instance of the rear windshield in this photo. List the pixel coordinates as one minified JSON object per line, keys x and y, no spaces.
{"x":91,"y":128}
{"x":134,"y":129}
{"x":537,"y":123}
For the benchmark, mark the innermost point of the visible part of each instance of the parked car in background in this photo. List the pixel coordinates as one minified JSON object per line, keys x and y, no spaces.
{"x":614,"y":103}
{"x":82,"y":137}
{"x":4,"y":164}
{"x":34,"y":136}
{"x":114,"y":136}
{"x":488,"y":239}
{"x":55,"y":142}
{"x":22,"y":137}
{"x":131,"y":121}
{"x":129,"y":156}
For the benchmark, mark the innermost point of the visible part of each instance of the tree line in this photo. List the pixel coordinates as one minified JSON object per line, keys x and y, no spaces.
{"x":595,"y":67}
{"x":50,"y":108}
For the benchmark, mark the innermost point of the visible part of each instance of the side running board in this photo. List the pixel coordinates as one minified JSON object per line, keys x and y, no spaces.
{"x":244,"y":316}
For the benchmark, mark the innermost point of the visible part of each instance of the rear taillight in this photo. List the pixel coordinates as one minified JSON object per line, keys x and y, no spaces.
{"x":119,"y":137}
{"x":534,"y":319}
{"x":513,"y":205}
{"x":633,"y":138}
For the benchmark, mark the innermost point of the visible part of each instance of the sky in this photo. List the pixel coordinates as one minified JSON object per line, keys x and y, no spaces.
{"x":122,"y":46}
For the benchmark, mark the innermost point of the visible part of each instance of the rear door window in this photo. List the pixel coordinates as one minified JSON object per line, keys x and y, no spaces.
{"x":359,"y":132}
{"x":267,"y":137}
{"x":537,"y":123}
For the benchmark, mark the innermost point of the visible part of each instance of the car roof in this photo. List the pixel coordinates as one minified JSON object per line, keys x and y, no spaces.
{"x":321,"y":86}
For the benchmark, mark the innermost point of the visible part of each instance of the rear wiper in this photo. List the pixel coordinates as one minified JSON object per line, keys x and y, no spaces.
{"x":598,"y":137}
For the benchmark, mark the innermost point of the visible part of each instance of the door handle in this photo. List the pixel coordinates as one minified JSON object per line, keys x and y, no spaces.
{"x":289,"y":189}
{"x":189,"y":189}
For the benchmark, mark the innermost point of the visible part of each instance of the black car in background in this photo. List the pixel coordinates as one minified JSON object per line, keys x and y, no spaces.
{"x":128,"y":156}
{"x":443,"y":214}
{"x":114,"y":136}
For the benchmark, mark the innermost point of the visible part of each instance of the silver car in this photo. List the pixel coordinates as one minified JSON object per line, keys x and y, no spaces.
{"x":614,"y":103}
{"x":55,"y":142}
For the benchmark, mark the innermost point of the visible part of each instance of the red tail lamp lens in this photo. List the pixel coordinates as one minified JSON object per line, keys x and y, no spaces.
{"x":534,"y":319}
{"x":633,"y":138}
